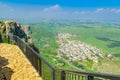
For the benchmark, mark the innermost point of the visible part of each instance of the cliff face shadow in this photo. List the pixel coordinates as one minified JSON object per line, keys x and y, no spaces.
{"x":113,"y":44}
{"x":5,"y":72}
{"x":117,"y":55}
{"x":84,"y":26}
{"x":103,"y":39}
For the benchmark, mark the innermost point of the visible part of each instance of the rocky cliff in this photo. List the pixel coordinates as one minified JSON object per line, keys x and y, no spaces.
{"x":11,"y":27}
{"x":15,"y":28}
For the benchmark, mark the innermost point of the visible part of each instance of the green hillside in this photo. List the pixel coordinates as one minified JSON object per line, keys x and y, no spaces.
{"x":101,"y":35}
{"x":44,"y":38}
{"x":105,"y":38}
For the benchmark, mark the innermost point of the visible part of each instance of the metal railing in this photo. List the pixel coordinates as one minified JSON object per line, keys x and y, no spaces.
{"x":48,"y":72}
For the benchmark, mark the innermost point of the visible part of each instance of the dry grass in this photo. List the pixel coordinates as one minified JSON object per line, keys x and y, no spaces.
{"x":14,"y":65}
{"x":108,"y":66}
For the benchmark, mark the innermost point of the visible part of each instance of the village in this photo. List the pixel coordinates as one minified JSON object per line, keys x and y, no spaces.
{"x":75,"y":50}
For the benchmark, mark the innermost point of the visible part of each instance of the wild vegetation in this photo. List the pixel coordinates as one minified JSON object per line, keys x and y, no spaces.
{"x":104,"y":36}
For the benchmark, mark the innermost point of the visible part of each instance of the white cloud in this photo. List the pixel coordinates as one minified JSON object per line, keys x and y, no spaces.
{"x":99,"y":10}
{"x":108,"y":10}
{"x":52,"y":8}
{"x":55,"y":11}
{"x":81,"y":12}
{"x":118,"y":10}
{"x":6,"y":11}
{"x":5,"y":7}
{"x":76,"y":12}
{"x":115,"y":10}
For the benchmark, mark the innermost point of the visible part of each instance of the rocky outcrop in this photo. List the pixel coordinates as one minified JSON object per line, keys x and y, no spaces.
{"x":15,"y":28}
{"x":76,"y":50}
{"x":11,"y":27}
{"x":28,"y":32}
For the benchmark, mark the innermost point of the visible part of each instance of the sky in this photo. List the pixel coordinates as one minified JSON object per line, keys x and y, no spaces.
{"x":60,"y":9}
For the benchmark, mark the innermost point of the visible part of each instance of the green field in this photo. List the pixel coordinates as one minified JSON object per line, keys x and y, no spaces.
{"x":44,"y":34}
{"x":104,"y":36}
{"x":106,"y":39}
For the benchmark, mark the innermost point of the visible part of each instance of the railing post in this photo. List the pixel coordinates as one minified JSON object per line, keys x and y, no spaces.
{"x":40,"y":67}
{"x":90,"y":77}
{"x":63,"y":76}
{"x":53,"y":74}
{"x":8,"y":39}
{"x":0,"y":38}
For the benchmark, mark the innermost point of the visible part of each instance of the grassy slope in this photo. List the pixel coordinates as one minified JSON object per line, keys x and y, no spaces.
{"x":105,"y":38}
{"x":44,"y":34}
{"x":90,"y":35}
{"x":95,"y":35}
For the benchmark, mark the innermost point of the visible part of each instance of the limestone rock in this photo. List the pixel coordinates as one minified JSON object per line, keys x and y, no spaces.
{"x":12,"y":27}
{"x":15,"y":28}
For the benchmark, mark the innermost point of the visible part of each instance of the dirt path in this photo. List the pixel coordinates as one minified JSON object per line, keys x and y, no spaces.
{"x":14,"y":65}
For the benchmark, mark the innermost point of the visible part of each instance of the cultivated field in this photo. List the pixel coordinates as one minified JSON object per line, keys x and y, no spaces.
{"x":103,"y":36}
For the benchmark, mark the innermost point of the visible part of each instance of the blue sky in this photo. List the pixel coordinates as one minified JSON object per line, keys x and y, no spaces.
{"x":83,"y":9}
{"x":68,"y":3}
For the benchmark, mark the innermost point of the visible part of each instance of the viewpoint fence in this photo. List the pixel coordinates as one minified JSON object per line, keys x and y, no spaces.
{"x":48,"y":72}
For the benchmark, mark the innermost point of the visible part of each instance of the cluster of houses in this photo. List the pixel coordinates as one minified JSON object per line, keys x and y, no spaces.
{"x":76,"y":50}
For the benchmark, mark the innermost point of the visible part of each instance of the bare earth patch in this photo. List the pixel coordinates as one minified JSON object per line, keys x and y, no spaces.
{"x":107,"y":66}
{"x":14,"y":65}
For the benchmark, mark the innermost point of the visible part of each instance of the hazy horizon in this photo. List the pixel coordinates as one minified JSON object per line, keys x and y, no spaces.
{"x":69,"y":9}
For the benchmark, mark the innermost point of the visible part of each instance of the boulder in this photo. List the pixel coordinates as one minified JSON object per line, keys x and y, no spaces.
{"x":12,"y":27}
